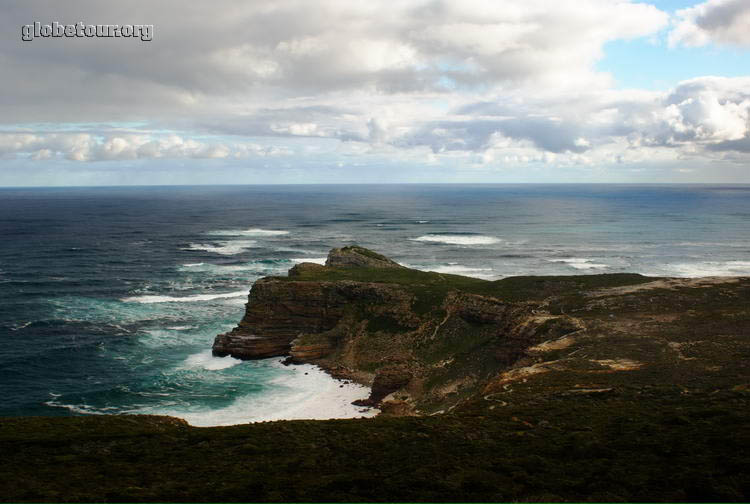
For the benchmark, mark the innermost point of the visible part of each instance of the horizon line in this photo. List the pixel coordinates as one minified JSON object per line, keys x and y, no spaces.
{"x":379,"y":184}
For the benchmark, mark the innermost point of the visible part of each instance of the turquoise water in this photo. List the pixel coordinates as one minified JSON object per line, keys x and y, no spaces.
{"x":110,"y":297}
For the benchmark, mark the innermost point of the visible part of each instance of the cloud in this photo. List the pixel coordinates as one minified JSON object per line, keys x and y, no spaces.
{"x":228,"y":58}
{"x":740,"y":145}
{"x":122,"y":147}
{"x":706,"y":115}
{"x":724,"y":22}
{"x":511,"y":81}
{"x":697,"y":117}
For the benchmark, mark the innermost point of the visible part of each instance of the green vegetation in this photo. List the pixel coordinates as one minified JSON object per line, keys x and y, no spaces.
{"x":365,"y":252}
{"x":632,"y":446}
{"x":385,"y":323}
{"x":535,"y":288}
{"x":431,"y":288}
{"x":522,"y":288}
{"x":401,"y":276}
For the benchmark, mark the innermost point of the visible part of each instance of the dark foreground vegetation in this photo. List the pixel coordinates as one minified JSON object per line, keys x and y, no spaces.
{"x":645,"y":445}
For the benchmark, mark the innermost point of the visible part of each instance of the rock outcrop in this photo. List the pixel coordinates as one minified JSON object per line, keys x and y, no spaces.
{"x":280,"y":310}
{"x":358,"y":257}
{"x":394,"y":329}
{"x":276,"y":313}
{"x":428,"y":343}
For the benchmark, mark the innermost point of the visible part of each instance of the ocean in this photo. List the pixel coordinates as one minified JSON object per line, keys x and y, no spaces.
{"x":110,"y":297}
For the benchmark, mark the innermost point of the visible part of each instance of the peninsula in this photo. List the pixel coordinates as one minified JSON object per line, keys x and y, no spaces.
{"x":615,"y":387}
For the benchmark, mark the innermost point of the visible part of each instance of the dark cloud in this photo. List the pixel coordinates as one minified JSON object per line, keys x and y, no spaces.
{"x":476,"y":135}
{"x":714,"y":21}
{"x":741,"y":145}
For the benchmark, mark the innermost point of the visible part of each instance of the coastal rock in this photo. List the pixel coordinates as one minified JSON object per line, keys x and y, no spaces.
{"x":387,"y":380}
{"x":437,"y":342}
{"x":305,"y":268}
{"x":358,"y":257}
{"x":397,"y":407}
{"x":279,"y":310}
{"x":365,"y":318}
{"x":301,"y":351}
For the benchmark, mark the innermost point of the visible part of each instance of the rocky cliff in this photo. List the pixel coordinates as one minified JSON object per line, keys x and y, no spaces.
{"x":429,"y":343}
{"x":596,"y":388}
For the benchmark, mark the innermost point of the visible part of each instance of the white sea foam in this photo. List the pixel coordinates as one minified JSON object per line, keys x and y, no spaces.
{"x":316,"y":260}
{"x":710,"y":268}
{"x":84,"y":409}
{"x":713,"y":245}
{"x":183,"y":299}
{"x":226,"y":268}
{"x":224,"y":248}
{"x":205,"y":360}
{"x":249,"y":232}
{"x":466,"y":240}
{"x":299,"y":393}
{"x":174,"y":336}
{"x":255,"y":266}
{"x":457,"y":269}
{"x":580,"y":263}
{"x":422,"y":221}
{"x":21,"y":326}
{"x":238,"y":301}
{"x":295,"y":393}
{"x":193,"y":265}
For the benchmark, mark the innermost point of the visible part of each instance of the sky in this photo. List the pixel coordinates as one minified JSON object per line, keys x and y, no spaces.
{"x":415,"y":91}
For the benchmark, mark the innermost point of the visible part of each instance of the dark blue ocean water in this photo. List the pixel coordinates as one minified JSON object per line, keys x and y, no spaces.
{"x":110,"y":297}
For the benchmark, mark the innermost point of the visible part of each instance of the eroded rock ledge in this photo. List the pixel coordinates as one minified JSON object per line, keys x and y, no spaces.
{"x":426,"y":342}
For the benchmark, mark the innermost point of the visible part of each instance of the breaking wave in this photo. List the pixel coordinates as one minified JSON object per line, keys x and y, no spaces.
{"x":248,"y":232}
{"x":457,"y":269}
{"x":223,"y":248}
{"x":303,"y":392}
{"x":206,"y":360}
{"x":710,"y":268}
{"x":466,"y":240}
{"x":580,"y":263}
{"x":316,"y":260}
{"x":183,"y":299}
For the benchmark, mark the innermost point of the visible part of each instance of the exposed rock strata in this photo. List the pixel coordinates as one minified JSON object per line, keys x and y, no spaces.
{"x":380,"y":333}
{"x":428,"y":343}
{"x":358,"y":257}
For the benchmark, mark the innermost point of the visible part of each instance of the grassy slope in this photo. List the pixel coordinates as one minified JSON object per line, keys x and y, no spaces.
{"x":625,"y":447}
{"x":431,"y":287}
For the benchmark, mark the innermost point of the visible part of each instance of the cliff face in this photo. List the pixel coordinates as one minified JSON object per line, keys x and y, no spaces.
{"x":398,"y":330}
{"x":280,"y":310}
{"x":429,"y":343}
{"x":277,"y":312}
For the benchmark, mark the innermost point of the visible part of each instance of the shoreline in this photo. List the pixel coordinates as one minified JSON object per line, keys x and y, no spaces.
{"x":309,"y":393}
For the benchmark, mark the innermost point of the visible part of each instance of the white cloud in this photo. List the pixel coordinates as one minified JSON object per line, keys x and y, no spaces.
{"x":213,"y":59}
{"x":297,"y":129}
{"x":120,"y":147}
{"x":489,"y":82}
{"x":699,"y":116}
